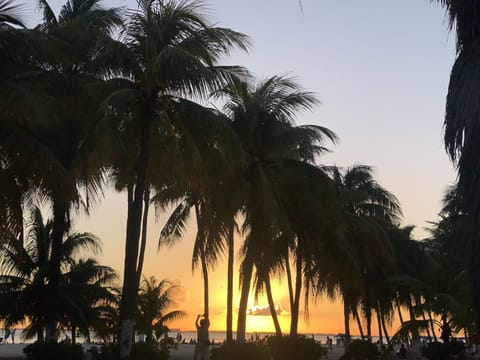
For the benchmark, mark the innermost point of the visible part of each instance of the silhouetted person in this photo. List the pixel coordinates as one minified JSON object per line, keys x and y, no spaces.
{"x":202,"y":351}
{"x":330,"y":343}
{"x":402,"y":352}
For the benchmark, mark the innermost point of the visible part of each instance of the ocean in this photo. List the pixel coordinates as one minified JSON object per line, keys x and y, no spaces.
{"x":187,"y":336}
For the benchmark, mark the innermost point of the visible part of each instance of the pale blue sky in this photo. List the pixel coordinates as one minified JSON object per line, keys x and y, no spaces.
{"x":380,"y":68}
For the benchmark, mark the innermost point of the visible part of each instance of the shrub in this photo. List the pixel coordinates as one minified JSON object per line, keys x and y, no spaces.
{"x":441,"y":351}
{"x":361,"y":349}
{"x":47,"y":350}
{"x":295,"y":347}
{"x":241,"y":351}
{"x":144,"y":351}
{"x":140,"y":351}
{"x":435,"y":351}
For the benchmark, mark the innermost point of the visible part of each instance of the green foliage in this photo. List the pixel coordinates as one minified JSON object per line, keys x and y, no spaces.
{"x":295,"y":347}
{"x":361,"y":349}
{"x":441,"y":351}
{"x":47,"y":350}
{"x":241,"y":351}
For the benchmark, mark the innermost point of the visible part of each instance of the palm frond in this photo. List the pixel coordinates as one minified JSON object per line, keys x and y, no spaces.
{"x":11,"y":14}
{"x":175,"y":225}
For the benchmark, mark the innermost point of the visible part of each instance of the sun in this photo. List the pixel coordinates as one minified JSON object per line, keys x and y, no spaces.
{"x":259,"y":319}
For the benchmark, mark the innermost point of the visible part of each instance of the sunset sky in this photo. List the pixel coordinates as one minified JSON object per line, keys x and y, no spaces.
{"x":381,"y":70}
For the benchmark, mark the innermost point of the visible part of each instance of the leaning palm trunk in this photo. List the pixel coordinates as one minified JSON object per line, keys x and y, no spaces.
{"x":424,"y":318}
{"x":247,"y":270}
{"x":379,"y":323}
{"x":399,"y":310}
{"x":346,"y":319}
{"x":296,"y":300}
{"x":359,"y":323}
{"x":430,"y":318}
{"x":143,"y":244}
{"x":231,"y":245}
{"x":271,"y":304}
{"x":384,"y":327}
{"x":289,"y":279}
{"x":134,"y":219}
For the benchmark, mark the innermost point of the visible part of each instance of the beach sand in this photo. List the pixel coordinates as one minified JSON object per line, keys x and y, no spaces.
{"x":183,"y":352}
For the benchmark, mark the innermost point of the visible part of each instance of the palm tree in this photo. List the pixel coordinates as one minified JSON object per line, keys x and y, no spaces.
{"x":173,"y":52}
{"x":54,"y":116}
{"x":212,"y":177}
{"x":87,"y":284}
{"x":462,"y":123}
{"x":276,"y":152}
{"x":366,"y":212}
{"x":24,"y":288}
{"x":153,"y":304}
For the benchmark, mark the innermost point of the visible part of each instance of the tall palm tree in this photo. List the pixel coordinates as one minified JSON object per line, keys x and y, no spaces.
{"x":59,"y":114}
{"x":462,"y":122}
{"x":155,"y":300}
{"x":173,"y":51}
{"x":275,"y":150}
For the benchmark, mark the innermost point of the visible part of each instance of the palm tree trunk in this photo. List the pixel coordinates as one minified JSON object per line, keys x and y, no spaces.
{"x":231,"y":244}
{"x":415,"y":335}
{"x":384,"y":327}
{"x":60,"y":226}
{"x":271,"y":305}
{"x":134,"y":219}
{"x":74,"y":334}
{"x":399,"y":310}
{"x":424,"y":318}
{"x":40,"y":336}
{"x":359,"y":323}
{"x":430,"y":318}
{"x":246,"y":277}
{"x":296,"y":300}
{"x":346,"y":320}
{"x":289,"y":279}
{"x":379,"y":323}
{"x":474,"y":263}
{"x":368,"y":317}
{"x":205,"y":283}
{"x":203,"y":258}
{"x":143,"y":242}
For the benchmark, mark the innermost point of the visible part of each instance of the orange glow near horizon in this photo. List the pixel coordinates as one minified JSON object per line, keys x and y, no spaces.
{"x":174,"y":264}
